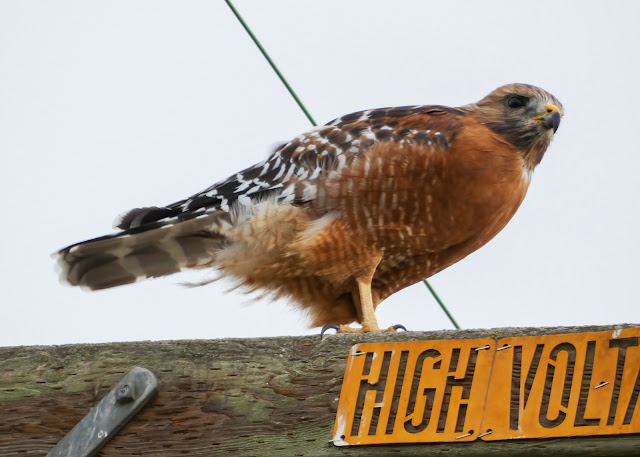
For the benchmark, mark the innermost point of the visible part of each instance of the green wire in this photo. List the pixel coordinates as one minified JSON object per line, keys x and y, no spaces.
{"x":273,"y":65}
{"x":313,"y":122}
{"x":444,"y":308}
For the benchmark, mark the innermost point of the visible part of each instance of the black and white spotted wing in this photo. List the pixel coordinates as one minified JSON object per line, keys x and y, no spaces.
{"x":292,"y":171}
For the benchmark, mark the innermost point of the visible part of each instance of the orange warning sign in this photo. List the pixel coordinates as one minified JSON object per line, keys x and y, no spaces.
{"x":565,"y":385}
{"x":419,"y":391}
{"x":462,"y":390}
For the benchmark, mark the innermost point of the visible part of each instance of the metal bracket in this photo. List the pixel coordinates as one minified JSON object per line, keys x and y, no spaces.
{"x":106,"y":418}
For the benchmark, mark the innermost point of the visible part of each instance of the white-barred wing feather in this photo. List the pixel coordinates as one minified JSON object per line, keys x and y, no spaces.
{"x":158,"y":241}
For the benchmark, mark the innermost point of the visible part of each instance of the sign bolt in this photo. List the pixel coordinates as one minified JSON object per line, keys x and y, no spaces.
{"x":125,"y":394}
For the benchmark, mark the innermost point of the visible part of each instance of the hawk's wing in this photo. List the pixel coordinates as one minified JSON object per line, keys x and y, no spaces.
{"x":292,"y":172}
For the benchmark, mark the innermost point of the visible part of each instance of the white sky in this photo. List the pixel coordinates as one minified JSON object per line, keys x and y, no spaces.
{"x":105,"y":106}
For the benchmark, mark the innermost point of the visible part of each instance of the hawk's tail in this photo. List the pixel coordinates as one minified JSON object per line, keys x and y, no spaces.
{"x":144,"y":252}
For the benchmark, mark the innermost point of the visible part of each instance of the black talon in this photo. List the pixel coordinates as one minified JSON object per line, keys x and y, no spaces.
{"x":326,"y":327}
{"x":399,"y":326}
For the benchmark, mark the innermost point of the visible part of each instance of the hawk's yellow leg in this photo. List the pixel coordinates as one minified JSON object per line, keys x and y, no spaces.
{"x":364,"y":303}
{"x":365,"y":309}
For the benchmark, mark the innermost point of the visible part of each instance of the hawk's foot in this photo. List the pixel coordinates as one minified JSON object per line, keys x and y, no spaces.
{"x":364,"y":329}
{"x":396,"y":327}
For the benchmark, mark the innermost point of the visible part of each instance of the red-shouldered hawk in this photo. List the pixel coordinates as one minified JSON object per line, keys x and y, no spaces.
{"x":343,"y":216}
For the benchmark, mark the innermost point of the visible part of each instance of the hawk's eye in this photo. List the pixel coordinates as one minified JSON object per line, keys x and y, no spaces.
{"x":517,"y":101}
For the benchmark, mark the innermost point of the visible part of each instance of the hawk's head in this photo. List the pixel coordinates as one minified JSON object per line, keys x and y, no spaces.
{"x":525,"y":116}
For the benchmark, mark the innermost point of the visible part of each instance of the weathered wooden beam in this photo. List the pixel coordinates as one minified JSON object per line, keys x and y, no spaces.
{"x":269,"y":396}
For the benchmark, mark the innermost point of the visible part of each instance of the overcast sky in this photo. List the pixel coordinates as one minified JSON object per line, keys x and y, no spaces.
{"x":105,"y":106}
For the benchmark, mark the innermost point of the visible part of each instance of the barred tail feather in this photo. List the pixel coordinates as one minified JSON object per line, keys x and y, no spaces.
{"x":127,"y":257}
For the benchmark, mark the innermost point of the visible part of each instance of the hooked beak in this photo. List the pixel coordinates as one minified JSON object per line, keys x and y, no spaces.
{"x":551,"y":117}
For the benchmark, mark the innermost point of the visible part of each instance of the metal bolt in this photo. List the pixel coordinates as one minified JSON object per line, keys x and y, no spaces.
{"x":125,"y":394}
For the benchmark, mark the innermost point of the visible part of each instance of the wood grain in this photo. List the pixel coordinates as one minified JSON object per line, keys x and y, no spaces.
{"x":269,"y":396}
